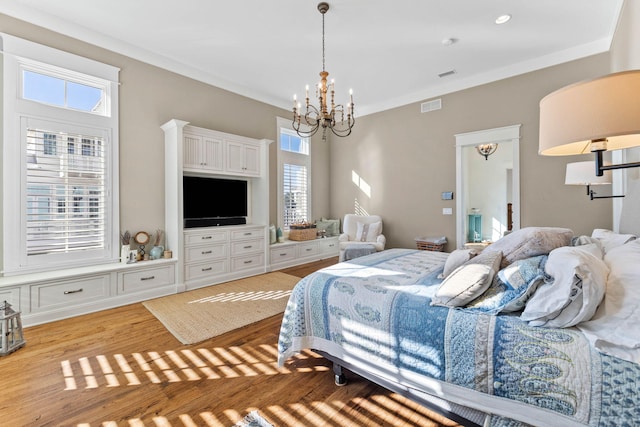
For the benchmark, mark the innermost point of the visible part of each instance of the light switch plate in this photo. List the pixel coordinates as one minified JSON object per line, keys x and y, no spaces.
{"x":447,"y":211}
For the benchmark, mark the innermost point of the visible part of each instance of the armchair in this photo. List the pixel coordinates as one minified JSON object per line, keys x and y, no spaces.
{"x":361,"y":230}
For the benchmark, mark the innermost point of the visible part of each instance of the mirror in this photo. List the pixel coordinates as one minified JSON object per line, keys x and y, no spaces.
{"x":487,"y":185}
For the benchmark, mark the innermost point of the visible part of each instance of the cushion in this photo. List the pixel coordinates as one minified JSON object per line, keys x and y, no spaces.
{"x":575,"y":286}
{"x":511,"y":287}
{"x":614,"y":328}
{"x":335,"y":223}
{"x":456,"y":259}
{"x":330,"y":227}
{"x":611,"y":239}
{"x":529,"y":242}
{"x":368,"y":232}
{"x":468,"y":281}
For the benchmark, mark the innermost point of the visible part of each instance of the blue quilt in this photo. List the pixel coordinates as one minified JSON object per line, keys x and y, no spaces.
{"x":375,"y":311}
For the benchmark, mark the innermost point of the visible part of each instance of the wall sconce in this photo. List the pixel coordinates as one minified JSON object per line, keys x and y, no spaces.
{"x":581,"y":173}
{"x":486,"y":149}
{"x":592,"y":116}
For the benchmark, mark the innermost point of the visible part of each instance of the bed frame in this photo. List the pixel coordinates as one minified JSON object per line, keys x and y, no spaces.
{"x":461,"y":414}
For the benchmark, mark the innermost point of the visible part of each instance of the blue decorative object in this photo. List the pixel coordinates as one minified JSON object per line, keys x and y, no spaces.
{"x":156,"y":252}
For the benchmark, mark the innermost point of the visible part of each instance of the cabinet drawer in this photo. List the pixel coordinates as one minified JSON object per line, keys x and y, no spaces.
{"x":70,"y":292}
{"x":204,"y":237}
{"x":247,"y":247}
{"x":283,"y":253}
{"x":249,"y":261}
{"x":133,"y":281}
{"x":247,"y":233}
{"x":202,"y":253}
{"x":205,"y":269}
{"x":308,"y":249}
{"x":329,"y":246}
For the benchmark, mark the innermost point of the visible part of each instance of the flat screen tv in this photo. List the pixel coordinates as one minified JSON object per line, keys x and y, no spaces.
{"x":214,"y":201}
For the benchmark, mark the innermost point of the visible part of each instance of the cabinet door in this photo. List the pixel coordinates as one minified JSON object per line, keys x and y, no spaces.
{"x":191,"y":151}
{"x":202,"y":152}
{"x":235,"y":157}
{"x":251,"y":160}
{"x":242,"y":158}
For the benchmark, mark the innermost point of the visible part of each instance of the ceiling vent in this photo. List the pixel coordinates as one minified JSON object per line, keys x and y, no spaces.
{"x":447,"y":73}
{"x":436,"y":104}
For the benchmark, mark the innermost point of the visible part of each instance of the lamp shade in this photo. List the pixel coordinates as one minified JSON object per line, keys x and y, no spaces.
{"x":582,"y":173}
{"x":606,"y":107}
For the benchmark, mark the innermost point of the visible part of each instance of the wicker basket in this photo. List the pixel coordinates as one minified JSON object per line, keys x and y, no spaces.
{"x":434,"y":244}
{"x":302,"y":233}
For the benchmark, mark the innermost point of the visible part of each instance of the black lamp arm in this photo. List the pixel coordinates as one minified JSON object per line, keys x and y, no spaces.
{"x":601,"y":167}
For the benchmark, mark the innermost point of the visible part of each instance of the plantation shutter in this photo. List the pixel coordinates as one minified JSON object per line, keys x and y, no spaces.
{"x":65,"y":192}
{"x":295,"y":194}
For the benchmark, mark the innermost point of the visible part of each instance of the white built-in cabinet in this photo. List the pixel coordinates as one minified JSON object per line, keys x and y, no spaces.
{"x":211,"y":255}
{"x":291,"y":253}
{"x":54,"y":295}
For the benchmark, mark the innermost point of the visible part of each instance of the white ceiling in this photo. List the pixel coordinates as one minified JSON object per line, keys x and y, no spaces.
{"x":389,"y":52}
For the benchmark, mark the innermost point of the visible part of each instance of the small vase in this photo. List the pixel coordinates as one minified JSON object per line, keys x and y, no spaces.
{"x":156,"y":252}
{"x":124,"y":253}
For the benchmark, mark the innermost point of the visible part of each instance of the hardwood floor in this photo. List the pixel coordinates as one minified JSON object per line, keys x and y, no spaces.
{"x":121,"y":367}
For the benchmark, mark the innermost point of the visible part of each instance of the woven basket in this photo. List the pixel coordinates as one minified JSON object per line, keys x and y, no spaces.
{"x":302,"y":234}
{"x":427,"y":245}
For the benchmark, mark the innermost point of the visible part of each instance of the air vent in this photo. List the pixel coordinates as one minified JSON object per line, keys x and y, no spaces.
{"x":447,"y":73}
{"x":436,"y":104}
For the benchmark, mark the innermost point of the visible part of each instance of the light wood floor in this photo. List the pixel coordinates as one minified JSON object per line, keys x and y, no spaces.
{"x":121,"y":367}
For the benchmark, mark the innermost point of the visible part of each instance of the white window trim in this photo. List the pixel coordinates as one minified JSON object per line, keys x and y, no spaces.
{"x":283,"y":156}
{"x":16,"y":52}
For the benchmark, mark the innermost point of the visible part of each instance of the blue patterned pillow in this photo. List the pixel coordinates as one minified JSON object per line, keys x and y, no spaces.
{"x":511,"y":287}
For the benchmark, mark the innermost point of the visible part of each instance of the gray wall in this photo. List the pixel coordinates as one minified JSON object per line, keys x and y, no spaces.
{"x":408,"y":158}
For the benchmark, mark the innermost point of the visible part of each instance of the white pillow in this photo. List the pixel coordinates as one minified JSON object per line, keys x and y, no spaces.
{"x":611,"y":239}
{"x":529,"y":242}
{"x":468,"y":281}
{"x":614,"y":328}
{"x":368,"y":232}
{"x":456,"y":259}
{"x":578,"y":278}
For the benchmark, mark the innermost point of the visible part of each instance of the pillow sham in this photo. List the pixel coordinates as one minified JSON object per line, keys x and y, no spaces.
{"x":368,"y":232}
{"x":468,"y":281}
{"x":614,"y":328}
{"x":529,"y":242}
{"x":611,"y":239}
{"x":330,"y":227}
{"x":335,"y":223}
{"x":575,"y":286}
{"x":456,"y":259}
{"x":511,"y":287}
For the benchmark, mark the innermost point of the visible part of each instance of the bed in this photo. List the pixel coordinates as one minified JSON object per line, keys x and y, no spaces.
{"x":552,"y":339}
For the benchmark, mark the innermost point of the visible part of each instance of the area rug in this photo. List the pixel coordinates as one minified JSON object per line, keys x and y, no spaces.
{"x":253,"y":419}
{"x":204,"y":313}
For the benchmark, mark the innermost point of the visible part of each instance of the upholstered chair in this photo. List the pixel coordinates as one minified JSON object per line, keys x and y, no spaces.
{"x":361,"y":230}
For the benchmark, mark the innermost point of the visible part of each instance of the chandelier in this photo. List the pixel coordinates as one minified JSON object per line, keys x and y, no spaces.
{"x":328,"y":115}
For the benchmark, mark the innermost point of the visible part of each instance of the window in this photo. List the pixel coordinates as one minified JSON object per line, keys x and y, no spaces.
{"x":60,"y":168}
{"x":294,"y":176}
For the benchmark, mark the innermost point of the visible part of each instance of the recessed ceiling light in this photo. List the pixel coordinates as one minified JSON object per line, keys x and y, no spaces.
{"x":449,"y":41}
{"x":502,"y":19}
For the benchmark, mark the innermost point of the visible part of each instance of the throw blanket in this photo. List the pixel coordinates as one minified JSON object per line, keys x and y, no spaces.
{"x":375,"y":312}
